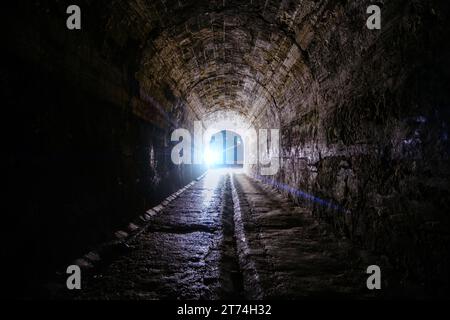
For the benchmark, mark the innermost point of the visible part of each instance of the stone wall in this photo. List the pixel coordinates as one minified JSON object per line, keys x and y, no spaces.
{"x":365,"y":131}
{"x":87,"y":149}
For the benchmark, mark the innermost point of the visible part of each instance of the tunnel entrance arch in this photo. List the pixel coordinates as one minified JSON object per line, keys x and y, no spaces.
{"x":225,"y":148}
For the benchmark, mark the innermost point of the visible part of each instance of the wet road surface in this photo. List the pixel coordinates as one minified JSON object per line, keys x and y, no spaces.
{"x":230,"y":237}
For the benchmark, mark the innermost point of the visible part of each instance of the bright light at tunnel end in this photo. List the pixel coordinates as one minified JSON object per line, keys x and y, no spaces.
{"x":211,"y":157}
{"x":260,"y":147}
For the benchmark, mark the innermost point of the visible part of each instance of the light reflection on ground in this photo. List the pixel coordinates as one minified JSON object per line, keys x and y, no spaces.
{"x":211,"y":181}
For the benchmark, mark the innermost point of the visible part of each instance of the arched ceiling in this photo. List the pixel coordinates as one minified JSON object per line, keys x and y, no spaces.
{"x":219,"y":55}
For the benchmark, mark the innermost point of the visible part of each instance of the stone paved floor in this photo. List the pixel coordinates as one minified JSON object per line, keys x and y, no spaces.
{"x":292,"y":255}
{"x":228,"y":236}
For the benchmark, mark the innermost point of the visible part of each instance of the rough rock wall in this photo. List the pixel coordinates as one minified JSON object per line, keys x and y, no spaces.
{"x":369,"y":138}
{"x":87,"y":147}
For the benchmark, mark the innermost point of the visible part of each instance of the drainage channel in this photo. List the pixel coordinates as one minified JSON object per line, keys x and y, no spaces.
{"x":250,"y":275}
{"x":231,"y":278}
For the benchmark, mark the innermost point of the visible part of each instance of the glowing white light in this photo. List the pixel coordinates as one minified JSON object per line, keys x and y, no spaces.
{"x":211,"y":157}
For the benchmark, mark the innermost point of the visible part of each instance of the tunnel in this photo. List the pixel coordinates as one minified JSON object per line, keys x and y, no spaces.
{"x":209,"y":150}
{"x":225,"y":148}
